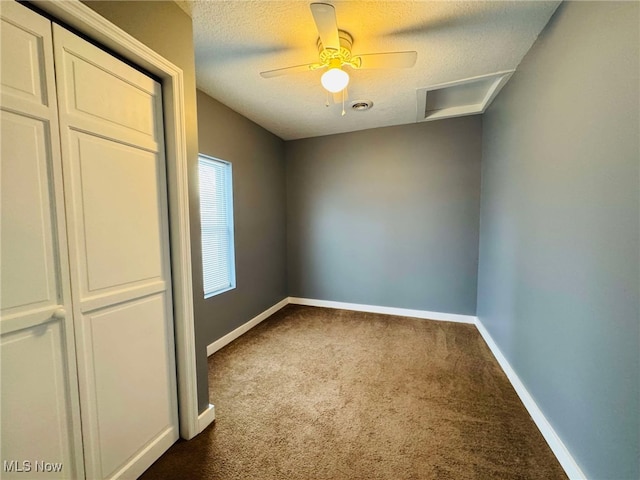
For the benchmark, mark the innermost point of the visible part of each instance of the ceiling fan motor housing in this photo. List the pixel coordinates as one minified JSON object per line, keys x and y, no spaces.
{"x":329,"y":55}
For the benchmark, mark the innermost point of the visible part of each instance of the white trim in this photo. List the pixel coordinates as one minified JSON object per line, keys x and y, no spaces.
{"x":231,"y":336}
{"x":206,"y":418}
{"x":90,"y":23}
{"x":404,"y":312}
{"x":559,"y":449}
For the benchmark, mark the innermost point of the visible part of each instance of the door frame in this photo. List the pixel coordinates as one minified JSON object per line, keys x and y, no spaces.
{"x":96,"y":27}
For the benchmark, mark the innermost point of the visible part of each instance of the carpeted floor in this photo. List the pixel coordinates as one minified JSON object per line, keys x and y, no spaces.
{"x":316,"y":393}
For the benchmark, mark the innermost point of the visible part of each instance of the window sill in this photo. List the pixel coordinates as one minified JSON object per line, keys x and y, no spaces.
{"x":218,"y":292}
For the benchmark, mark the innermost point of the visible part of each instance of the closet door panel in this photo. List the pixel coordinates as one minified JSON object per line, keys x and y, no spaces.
{"x":136,"y":114}
{"x":40,"y":417}
{"x":35,"y":408}
{"x":115,"y":192}
{"x":27,"y":243}
{"x":120,"y":214}
{"x":131,"y":362}
{"x":22,"y":49}
{"x":104,"y":96}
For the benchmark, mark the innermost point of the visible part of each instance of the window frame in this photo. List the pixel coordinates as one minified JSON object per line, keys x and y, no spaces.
{"x":228,"y":195}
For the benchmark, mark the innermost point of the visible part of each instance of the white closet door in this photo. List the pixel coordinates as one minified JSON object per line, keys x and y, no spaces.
{"x":40,"y":412}
{"x":115,"y":195}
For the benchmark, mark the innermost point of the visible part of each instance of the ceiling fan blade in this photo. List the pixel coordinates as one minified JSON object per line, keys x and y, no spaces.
{"x":286,"y":71}
{"x":385,"y":60}
{"x":325,"y":17}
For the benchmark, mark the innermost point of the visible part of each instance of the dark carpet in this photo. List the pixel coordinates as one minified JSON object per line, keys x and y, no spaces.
{"x":315,"y":393}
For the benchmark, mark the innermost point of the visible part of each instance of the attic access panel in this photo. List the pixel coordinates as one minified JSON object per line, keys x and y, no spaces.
{"x":462,"y":97}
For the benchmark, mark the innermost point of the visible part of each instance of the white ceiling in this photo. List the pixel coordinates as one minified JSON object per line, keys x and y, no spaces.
{"x":236,"y":40}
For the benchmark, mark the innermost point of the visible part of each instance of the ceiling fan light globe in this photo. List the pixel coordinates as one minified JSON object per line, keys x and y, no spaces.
{"x":335,"y":80}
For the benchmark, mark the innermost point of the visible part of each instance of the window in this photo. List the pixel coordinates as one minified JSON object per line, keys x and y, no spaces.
{"x":216,"y":222}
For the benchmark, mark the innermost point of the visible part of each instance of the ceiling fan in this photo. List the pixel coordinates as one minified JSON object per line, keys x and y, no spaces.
{"x":334,"y":47}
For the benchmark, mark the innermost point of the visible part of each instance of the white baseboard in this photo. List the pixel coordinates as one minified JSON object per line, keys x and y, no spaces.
{"x":559,"y":449}
{"x":231,"y":336}
{"x":405,"y":312}
{"x":206,"y":418}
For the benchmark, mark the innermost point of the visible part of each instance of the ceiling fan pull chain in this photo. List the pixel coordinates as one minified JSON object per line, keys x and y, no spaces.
{"x":326,"y":103}
{"x":343,"y":112}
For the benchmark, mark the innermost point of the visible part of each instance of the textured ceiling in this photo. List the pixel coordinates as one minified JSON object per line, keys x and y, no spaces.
{"x":236,"y":40}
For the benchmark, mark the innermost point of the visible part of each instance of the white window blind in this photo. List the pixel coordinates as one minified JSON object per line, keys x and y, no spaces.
{"x":216,"y":220}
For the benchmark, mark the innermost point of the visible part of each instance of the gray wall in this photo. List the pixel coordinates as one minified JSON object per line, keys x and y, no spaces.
{"x":166,"y":29}
{"x":387,"y":216}
{"x":257,"y":157}
{"x":559,"y":245}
